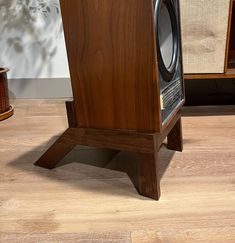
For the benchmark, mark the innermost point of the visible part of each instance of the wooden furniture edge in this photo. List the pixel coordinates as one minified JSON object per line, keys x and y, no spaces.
{"x":7,"y":114}
{"x":229,"y":74}
{"x":228,"y":35}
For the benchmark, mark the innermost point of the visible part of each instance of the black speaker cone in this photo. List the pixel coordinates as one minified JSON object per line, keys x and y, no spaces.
{"x":167,"y":38}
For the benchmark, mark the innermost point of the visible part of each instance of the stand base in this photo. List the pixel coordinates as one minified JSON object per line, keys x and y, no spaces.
{"x":145,"y":145}
{"x":7,"y":114}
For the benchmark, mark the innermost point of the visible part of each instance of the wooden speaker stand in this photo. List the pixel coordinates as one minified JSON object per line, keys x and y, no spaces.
{"x":145,"y":145}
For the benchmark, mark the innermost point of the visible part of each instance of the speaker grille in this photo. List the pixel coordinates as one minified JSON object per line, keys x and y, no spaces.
{"x":171,"y":95}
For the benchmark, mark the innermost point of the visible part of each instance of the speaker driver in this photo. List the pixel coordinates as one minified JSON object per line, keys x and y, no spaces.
{"x":167,"y":37}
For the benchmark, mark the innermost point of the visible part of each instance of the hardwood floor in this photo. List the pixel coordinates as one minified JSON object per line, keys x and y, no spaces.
{"x":86,"y":201}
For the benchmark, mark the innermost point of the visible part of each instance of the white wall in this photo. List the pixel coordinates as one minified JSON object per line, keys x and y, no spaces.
{"x":32,"y":46}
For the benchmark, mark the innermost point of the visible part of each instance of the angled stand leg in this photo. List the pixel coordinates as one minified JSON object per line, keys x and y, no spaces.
{"x":175,"y":137}
{"x":56,"y":152}
{"x":146,"y":179}
{"x":61,"y":148}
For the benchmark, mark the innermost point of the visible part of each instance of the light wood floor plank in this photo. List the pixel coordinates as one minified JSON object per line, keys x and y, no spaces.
{"x":89,"y":200}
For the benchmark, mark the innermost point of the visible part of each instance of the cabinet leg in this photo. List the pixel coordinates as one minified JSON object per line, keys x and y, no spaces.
{"x":55,"y":153}
{"x":146,"y":180}
{"x":175,"y":137}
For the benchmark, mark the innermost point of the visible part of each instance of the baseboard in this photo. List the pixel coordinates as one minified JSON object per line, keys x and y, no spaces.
{"x":42,"y":88}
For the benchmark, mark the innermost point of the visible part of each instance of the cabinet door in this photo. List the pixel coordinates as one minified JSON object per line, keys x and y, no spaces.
{"x":204,"y":35}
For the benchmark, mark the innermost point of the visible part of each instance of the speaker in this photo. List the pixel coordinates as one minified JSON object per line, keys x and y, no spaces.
{"x":126,"y":72}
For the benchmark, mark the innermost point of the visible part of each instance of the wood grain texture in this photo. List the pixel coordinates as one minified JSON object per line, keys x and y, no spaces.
{"x":7,"y":113}
{"x":56,"y":152}
{"x":91,"y":237}
{"x":4,"y":97}
{"x":112,"y":139}
{"x":112,"y":58}
{"x":6,"y":110}
{"x":87,"y":201}
{"x":215,"y":235}
{"x":148,"y":180}
{"x":71,"y":114}
{"x":175,"y":137}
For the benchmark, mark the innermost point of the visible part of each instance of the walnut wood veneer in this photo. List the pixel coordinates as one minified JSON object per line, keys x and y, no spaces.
{"x":113,"y":65}
{"x":6,"y":110}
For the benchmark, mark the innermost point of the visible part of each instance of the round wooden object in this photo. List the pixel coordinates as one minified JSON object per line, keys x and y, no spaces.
{"x":6,"y":110}
{"x":7,"y":114}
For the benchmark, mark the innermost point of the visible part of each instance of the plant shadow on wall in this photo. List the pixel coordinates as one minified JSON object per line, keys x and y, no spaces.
{"x":30,"y":30}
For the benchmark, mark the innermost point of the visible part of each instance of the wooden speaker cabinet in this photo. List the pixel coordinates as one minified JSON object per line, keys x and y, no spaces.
{"x":126,"y":71}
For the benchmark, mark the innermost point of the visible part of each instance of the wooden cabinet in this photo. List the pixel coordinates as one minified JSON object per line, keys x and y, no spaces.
{"x":208,"y":33}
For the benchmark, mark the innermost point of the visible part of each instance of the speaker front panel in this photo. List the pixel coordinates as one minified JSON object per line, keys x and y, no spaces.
{"x":169,"y":55}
